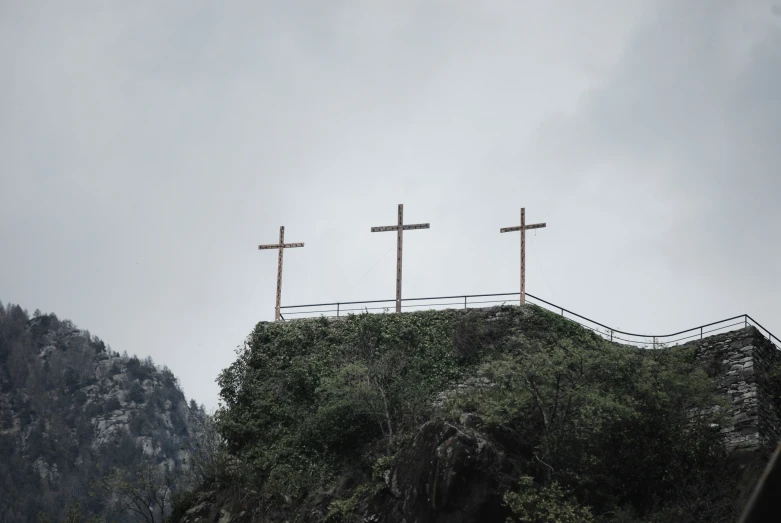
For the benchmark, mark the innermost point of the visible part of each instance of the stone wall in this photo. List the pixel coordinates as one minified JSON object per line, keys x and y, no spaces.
{"x":739,"y":360}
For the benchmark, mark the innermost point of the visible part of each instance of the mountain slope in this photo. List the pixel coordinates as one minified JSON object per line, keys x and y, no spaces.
{"x":72,"y":411}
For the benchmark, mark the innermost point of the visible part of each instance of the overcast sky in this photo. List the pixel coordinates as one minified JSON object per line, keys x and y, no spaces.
{"x":147,"y":148}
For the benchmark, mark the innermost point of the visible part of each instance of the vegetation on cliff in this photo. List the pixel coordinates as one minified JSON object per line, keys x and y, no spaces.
{"x":81,"y":425}
{"x":501,"y":414}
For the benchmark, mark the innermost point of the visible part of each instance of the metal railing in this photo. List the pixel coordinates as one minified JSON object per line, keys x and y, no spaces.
{"x":341,"y":309}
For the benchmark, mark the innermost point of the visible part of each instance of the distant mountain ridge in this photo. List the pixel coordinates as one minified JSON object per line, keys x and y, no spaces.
{"x":72,"y":410}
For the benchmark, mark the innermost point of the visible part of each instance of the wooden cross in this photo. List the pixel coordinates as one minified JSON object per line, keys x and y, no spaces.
{"x":400,"y":228}
{"x":523,"y":227}
{"x":281,"y":246}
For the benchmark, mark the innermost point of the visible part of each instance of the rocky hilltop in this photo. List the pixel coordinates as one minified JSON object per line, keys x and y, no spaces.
{"x":77,"y":417}
{"x":507,"y":414}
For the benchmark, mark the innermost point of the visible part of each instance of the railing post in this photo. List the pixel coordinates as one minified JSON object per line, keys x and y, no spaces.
{"x":465,"y":302}
{"x":562,"y":312}
{"x":611,"y":335}
{"x":337,"y":310}
{"x":654,"y":342}
{"x":700,"y":332}
{"x":745,"y":321}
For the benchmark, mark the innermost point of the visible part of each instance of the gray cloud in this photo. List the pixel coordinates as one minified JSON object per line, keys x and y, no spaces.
{"x":684,"y":131}
{"x":146,"y":149}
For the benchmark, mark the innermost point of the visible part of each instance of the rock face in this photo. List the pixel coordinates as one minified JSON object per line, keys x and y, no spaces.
{"x":70,"y":409}
{"x":451,"y":473}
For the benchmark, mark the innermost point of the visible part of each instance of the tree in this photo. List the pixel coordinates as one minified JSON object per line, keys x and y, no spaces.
{"x":351,"y":410}
{"x":145,"y":491}
{"x":74,"y":515}
{"x":136,"y":393}
{"x":208,"y":456}
{"x":584,"y":412}
{"x":541,"y":505}
{"x":17,"y":365}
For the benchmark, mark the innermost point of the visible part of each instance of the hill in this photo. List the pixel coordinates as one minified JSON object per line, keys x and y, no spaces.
{"x":501,"y":414}
{"x":81,"y":424}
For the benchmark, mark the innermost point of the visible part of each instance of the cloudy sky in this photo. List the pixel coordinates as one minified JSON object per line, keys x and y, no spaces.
{"x":147,"y":148}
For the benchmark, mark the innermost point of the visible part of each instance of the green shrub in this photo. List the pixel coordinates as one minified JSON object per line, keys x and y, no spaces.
{"x":6,"y":419}
{"x":136,"y":393}
{"x":531,"y":504}
{"x":306,"y":400}
{"x":7,"y":446}
{"x":310,"y":395}
{"x":111,"y":405}
{"x":138,"y":370}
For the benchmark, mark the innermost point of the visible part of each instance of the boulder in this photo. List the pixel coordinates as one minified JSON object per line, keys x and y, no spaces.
{"x":449,"y":473}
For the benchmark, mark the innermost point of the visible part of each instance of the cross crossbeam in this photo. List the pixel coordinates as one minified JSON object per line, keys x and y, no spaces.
{"x":523,"y":228}
{"x":527,"y":227}
{"x":281,"y":246}
{"x":403,"y":228}
{"x":400,"y":228}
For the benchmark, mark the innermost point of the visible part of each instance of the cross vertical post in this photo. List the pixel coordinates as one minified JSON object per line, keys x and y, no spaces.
{"x":523,"y":227}
{"x":399,"y":228}
{"x":277,"y":312}
{"x":523,"y":255}
{"x":399,"y":243}
{"x":281,"y":246}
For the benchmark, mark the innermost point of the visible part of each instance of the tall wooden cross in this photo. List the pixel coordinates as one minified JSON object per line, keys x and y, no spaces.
{"x":281,"y":246}
{"x":523,"y":227}
{"x":399,"y":228}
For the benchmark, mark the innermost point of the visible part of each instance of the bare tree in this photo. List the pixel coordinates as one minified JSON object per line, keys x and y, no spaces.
{"x":73,"y":516}
{"x":371,"y":385}
{"x":208,"y":458}
{"x":145,"y":492}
